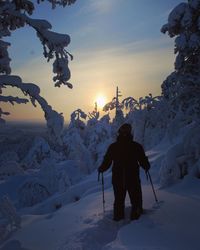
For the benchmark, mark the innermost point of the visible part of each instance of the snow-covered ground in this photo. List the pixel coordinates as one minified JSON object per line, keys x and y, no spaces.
{"x":171,"y":224}
{"x":49,"y":194}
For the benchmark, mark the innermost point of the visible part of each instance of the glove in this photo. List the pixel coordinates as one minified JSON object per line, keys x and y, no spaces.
{"x":100,"y":170}
{"x":147,"y":167}
{"x":146,"y":164}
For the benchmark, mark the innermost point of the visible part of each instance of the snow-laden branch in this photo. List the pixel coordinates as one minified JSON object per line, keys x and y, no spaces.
{"x":77,"y":114}
{"x":94,"y":115}
{"x":130,"y":103}
{"x":12,"y":99}
{"x":55,"y":121}
{"x":112,"y":105}
{"x":2,"y":121}
{"x":76,"y":117}
{"x":3,"y":113}
{"x":15,"y":14}
{"x":147,"y":102}
{"x":58,"y":2}
{"x":53,"y":43}
{"x":54,"y":47}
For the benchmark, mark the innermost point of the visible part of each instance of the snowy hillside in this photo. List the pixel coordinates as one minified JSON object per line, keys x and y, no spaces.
{"x":173,"y":223}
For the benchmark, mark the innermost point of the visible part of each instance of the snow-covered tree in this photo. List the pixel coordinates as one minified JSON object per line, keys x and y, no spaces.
{"x":8,"y":156}
{"x":145,"y":114}
{"x":98,"y":137}
{"x":182,"y":158}
{"x":76,"y":150}
{"x":54,"y":177}
{"x":131,"y":103}
{"x":93,"y":116}
{"x":181,"y":90}
{"x":117,"y":105}
{"x":182,"y":87}
{"x":31,"y":193}
{"x":8,"y":212}
{"x":114,"y":104}
{"x":105,"y":119}
{"x":76,"y":121}
{"x":55,"y":121}
{"x":73,"y":141}
{"x":14,"y":15}
{"x":39,"y":151}
{"x":10,"y":168}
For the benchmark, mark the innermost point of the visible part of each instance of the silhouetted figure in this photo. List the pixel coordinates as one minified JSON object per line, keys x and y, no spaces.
{"x":126,"y":156}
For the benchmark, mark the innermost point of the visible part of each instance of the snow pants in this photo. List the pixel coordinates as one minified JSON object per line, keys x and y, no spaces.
{"x":135,"y":195}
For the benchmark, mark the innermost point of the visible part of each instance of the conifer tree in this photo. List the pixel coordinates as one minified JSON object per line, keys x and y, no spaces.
{"x":182,"y":87}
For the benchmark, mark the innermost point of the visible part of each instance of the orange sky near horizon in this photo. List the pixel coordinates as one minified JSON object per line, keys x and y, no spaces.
{"x":108,"y":52}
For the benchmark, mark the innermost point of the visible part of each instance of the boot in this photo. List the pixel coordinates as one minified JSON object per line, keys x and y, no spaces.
{"x":135,"y":213}
{"x":118,"y":213}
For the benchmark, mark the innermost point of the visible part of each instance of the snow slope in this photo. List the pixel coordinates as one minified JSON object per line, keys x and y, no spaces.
{"x":172,"y":224}
{"x":79,"y":224}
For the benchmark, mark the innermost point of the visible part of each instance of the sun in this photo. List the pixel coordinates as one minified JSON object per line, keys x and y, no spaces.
{"x":101,"y":101}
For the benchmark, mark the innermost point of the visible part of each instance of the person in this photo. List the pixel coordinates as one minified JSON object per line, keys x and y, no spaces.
{"x":126,"y":156}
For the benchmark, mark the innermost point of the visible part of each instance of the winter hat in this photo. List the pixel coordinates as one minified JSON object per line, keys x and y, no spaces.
{"x":125,"y":129}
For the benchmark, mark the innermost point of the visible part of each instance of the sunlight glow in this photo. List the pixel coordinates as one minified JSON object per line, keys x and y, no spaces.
{"x":101,"y":101}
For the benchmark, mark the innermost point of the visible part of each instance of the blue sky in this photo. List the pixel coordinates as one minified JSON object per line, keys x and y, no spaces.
{"x":114,"y":43}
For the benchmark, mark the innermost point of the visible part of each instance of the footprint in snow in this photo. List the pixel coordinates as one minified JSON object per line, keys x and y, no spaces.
{"x":100,"y":233}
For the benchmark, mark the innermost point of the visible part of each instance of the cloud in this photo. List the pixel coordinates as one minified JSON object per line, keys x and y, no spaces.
{"x":99,"y":6}
{"x":103,"y":6}
{"x":122,"y":50}
{"x":96,"y":10}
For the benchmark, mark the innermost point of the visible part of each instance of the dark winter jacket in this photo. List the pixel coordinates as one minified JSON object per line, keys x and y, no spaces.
{"x":126,"y":156}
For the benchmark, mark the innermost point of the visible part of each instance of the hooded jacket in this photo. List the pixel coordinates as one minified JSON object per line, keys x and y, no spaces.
{"x":126,"y":156}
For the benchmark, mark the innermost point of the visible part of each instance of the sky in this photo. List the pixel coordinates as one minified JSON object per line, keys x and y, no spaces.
{"x":114,"y":43}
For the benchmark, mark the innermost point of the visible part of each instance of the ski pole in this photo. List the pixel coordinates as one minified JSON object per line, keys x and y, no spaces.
{"x":102,"y":183}
{"x":103,"y":192}
{"x":149,"y":176}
